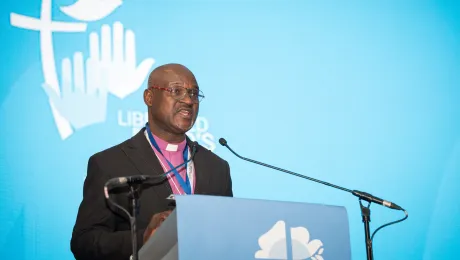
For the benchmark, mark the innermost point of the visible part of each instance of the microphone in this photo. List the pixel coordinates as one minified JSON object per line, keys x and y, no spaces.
{"x":362,"y":195}
{"x":139,"y":179}
{"x":371,"y":198}
{"x":365,"y":211}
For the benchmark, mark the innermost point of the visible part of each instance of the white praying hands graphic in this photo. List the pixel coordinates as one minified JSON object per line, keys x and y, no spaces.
{"x":273,"y":244}
{"x":79,"y":99}
{"x":117,"y":54}
{"x":78,"y":95}
{"x":83,"y":86}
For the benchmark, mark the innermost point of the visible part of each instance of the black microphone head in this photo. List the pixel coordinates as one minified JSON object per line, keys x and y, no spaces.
{"x":223,"y":142}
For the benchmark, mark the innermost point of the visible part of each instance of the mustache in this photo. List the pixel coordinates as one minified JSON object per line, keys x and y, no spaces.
{"x":186,"y":108}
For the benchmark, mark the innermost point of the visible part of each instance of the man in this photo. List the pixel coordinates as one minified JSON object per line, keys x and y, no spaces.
{"x":102,"y":231}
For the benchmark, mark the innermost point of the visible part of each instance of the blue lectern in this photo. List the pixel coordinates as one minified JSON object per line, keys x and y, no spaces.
{"x":212,"y":227}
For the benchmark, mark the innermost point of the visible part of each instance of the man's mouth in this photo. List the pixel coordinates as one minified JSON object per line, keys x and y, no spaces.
{"x":185,"y":113}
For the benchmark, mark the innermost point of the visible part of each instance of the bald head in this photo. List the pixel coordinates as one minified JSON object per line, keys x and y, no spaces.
{"x":172,"y":101}
{"x":171,"y":73}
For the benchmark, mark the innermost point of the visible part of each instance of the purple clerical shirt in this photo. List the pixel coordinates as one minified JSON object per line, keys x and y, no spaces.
{"x":174,"y":153}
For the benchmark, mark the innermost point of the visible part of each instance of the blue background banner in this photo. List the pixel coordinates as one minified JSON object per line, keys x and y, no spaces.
{"x":363,"y":94}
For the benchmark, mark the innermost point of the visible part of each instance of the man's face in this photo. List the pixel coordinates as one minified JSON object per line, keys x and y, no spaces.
{"x":173,"y":109}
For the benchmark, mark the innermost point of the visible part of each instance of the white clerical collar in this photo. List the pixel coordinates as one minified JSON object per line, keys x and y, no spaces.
{"x":172,"y":147}
{"x":169,"y":147}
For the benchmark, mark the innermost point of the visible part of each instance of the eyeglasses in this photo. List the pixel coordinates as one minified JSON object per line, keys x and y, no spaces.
{"x":179,"y":92}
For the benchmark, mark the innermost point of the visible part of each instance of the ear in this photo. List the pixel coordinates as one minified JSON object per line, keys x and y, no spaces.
{"x":148,"y":97}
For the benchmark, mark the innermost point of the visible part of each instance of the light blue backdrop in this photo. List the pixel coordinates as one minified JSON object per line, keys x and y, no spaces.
{"x":364,"y":94}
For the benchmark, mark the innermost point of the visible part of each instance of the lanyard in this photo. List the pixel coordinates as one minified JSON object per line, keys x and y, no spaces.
{"x":185,"y":185}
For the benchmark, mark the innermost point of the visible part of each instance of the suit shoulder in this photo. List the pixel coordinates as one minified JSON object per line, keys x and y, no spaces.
{"x":110,"y":152}
{"x":210,"y":155}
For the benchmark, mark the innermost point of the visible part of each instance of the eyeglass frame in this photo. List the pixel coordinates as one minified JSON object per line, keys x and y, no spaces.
{"x":170,"y":88}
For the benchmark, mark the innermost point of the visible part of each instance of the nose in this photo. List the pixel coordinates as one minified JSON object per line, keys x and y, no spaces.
{"x":187,"y":99}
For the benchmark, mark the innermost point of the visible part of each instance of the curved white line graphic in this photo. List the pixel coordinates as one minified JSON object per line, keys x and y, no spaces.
{"x":46,"y":27}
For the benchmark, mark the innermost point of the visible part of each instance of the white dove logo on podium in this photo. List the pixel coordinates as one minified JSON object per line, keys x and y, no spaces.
{"x":273,"y":244}
{"x":91,"y":10}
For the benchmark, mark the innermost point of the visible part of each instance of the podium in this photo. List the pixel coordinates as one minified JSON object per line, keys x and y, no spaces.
{"x":213,"y":227}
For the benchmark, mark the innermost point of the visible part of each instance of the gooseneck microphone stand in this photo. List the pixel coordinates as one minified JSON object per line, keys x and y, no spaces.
{"x":366,"y":214}
{"x":365,"y":210}
{"x":134,"y":195}
{"x":134,"y":183}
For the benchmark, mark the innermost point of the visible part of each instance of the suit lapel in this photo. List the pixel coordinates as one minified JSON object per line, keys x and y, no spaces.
{"x":201,"y":171}
{"x":144,"y":159}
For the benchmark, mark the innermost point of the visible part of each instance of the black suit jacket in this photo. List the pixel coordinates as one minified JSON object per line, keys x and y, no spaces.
{"x":102,"y":231}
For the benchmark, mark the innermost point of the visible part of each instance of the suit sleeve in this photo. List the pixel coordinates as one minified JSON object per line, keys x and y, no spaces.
{"x":95,"y":236}
{"x":229,"y":187}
